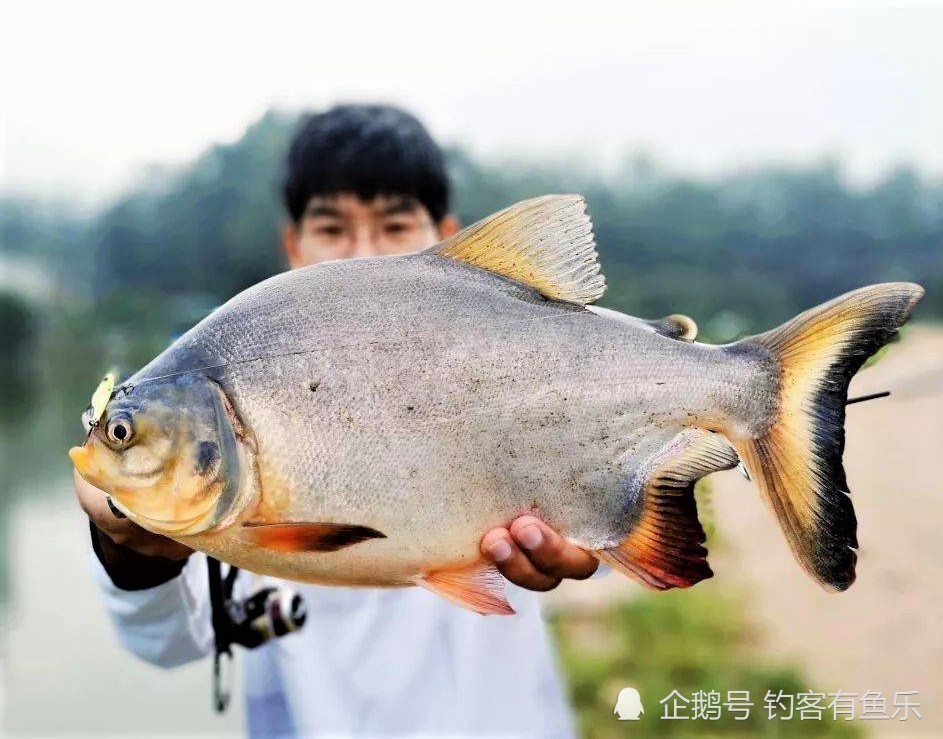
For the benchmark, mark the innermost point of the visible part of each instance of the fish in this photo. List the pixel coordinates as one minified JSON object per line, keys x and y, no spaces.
{"x":365,"y":422}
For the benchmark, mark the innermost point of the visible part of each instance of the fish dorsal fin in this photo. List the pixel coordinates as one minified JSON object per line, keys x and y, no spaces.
{"x":665,"y":547}
{"x":545,"y":243}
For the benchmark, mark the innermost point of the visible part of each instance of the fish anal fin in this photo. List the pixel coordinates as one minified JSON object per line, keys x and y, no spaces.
{"x":302,"y":536}
{"x":545,"y":243}
{"x":665,"y":548}
{"x":478,"y":587}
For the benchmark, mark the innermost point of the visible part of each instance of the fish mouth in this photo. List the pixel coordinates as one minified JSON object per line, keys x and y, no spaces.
{"x":82,"y":460}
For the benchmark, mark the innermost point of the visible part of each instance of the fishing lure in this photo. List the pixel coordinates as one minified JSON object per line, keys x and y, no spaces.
{"x":100,"y":398}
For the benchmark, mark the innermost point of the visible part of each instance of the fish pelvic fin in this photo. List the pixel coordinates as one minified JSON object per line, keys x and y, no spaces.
{"x":302,"y":536}
{"x":665,"y":548}
{"x":797,"y":462}
{"x":545,"y":243}
{"x":478,"y":587}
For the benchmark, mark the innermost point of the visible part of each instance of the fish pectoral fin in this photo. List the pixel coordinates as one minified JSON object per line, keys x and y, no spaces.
{"x":676,"y":326}
{"x":479,"y":587}
{"x":665,"y":549}
{"x":545,"y":243}
{"x":302,"y":536}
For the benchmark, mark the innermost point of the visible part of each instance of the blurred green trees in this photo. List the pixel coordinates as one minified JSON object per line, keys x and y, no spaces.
{"x":739,"y":252}
{"x":18,"y":326}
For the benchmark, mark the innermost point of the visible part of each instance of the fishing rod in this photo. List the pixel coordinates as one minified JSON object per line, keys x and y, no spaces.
{"x":870,"y":396}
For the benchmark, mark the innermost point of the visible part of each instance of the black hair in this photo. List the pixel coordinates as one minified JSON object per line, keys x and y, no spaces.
{"x":367,"y":150}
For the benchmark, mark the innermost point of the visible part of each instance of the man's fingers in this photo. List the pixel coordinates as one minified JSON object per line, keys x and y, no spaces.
{"x":90,"y":497}
{"x":122,"y":531}
{"x":499,"y":546}
{"x":126,"y":534}
{"x":150,"y":545}
{"x":95,"y":503}
{"x":549,"y":552}
{"x":530,"y":554}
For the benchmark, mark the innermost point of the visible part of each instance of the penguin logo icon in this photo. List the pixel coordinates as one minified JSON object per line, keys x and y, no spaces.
{"x":628,"y":705}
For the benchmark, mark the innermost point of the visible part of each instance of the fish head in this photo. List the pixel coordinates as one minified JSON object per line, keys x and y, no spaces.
{"x":169,"y":453}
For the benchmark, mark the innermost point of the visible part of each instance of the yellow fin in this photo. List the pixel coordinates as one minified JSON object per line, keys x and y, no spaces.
{"x":797,"y":461}
{"x":545,"y":243}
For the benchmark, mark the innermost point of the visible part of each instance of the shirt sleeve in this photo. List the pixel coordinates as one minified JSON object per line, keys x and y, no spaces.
{"x":131,"y":570}
{"x":166,"y":624}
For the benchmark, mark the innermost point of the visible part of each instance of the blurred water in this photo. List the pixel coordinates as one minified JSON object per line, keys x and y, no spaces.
{"x":64,"y":671}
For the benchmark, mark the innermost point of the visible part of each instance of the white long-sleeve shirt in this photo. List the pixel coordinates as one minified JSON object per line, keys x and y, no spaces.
{"x":367,"y":663}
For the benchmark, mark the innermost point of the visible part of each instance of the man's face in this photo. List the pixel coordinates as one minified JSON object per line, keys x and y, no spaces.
{"x":343,"y":226}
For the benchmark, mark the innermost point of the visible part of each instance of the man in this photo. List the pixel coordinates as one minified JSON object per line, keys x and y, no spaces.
{"x":361,"y":181}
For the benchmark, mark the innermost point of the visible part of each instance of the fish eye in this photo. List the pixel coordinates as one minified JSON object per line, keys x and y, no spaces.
{"x":120,"y":430}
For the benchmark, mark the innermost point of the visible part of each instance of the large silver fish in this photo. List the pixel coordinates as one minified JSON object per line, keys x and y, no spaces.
{"x":365,"y":422}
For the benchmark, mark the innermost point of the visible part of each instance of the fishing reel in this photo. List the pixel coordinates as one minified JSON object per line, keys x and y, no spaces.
{"x":267,"y":614}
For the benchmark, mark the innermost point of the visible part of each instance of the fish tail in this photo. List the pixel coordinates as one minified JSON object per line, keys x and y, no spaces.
{"x":797,"y":462}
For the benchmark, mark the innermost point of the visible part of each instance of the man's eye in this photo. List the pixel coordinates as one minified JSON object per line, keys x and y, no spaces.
{"x":394,"y":228}
{"x":329,"y":230}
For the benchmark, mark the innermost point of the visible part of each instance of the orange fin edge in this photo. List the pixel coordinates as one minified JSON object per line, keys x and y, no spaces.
{"x":666,"y":547}
{"x":478,"y":587}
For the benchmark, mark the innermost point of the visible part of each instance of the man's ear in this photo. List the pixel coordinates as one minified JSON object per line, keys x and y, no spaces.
{"x":448,"y":226}
{"x":290,"y":244}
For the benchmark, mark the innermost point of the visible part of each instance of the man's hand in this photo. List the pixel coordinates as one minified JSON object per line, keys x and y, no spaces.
{"x":122,"y":531}
{"x":532,"y":555}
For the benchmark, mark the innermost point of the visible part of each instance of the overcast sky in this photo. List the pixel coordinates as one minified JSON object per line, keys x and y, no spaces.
{"x":91,"y":92}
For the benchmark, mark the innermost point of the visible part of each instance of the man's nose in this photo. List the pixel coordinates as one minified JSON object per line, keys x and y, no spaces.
{"x":364,"y":242}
